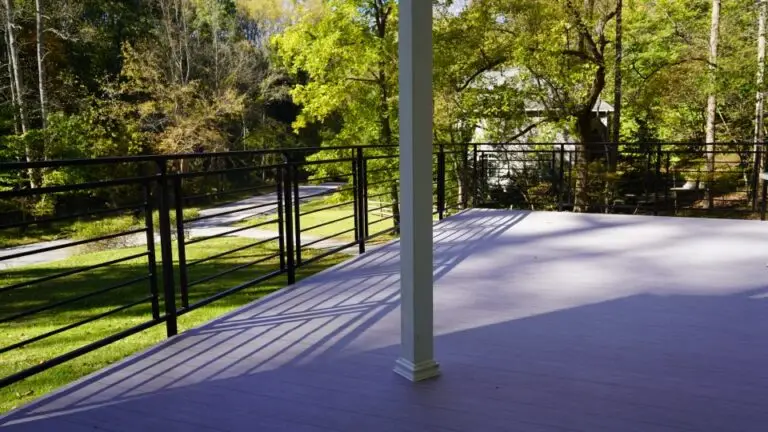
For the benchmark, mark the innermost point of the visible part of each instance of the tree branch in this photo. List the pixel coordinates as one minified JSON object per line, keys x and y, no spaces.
{"x":582,"y":28}
{"x":579,"y":54}
{"x":662,"y":67}
{"x":365,"y":80}
{"x":60,"y":34}
{"x":526,"y":130}
{"x":488,"y":66}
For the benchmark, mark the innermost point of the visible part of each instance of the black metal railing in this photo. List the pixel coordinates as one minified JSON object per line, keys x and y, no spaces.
{"x":650,"y":178}
{"x":291,"y":209}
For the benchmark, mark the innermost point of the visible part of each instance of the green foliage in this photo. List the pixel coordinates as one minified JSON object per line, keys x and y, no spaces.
{"x":163,"y":76}
{"x":348,"y":51}
{"x":129,"y":78}
{"x":85,"y":230}
{"x":188,"y":213}
{"x":92,"y":229}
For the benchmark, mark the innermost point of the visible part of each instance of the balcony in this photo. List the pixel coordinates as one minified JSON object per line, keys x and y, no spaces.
{"x":543,"y":322}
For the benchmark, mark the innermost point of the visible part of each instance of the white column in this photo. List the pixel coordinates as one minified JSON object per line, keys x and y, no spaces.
{"x":416,"y":362}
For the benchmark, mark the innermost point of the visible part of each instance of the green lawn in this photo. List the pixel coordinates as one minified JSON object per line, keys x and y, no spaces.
{"x":82,"y":229}
{"x":16,"y":237}
{"x":49,"y":292}
{"x":342,"y":229}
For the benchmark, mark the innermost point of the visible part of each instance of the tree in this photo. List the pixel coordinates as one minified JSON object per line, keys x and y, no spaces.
{"x":39,"y":31}
{"x":712,"y":98}
{"x":18,"y":88}
{"x":347,"y":53}
{"x":268,"y":18}
{"x":16,"y":76}
{"x":558,"y":52}
{"x":460,"y":59}
{"x":617,"y":72}
{"x":760,"y":104}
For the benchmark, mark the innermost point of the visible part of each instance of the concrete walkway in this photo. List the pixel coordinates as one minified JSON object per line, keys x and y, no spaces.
{"x":265,"y":204}
{"x":54,"y":255}
{"x":236,"y":212}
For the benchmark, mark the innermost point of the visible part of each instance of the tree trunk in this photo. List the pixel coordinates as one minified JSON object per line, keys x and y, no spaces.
{"x":14,"y":102}
{"x":18,"y":88}
{"x":18,"y":84}
{"x":215,"y":32}
{"x":386,"y":135}
{"x":592,"y":50}
{"x":184,"y":52}
{"x":173,"y":21}
{"x":583,"y":149}
{"x":40,"y":66}
{"x":617,"y":86}
{"x":760,"y":104}
{"x":584,"y":129}
{"x":458,"y":173}
{"x":459,"y":169}
{"x":612,"y":150}
{"x":382,"y":11}
{"x":714,"y":37}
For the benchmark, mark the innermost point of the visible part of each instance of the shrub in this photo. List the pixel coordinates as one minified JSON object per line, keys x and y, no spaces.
{"x":83,"y":230}
{"x":188,"y":213}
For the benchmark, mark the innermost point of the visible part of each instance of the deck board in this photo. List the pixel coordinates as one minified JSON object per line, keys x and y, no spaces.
{"x":544,"y":322}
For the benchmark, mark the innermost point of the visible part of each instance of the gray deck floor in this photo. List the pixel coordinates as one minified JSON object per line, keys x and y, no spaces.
{"x":544,"y":321}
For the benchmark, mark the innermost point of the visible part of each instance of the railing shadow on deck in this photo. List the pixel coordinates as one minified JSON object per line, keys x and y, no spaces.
{"x":458,"y":238}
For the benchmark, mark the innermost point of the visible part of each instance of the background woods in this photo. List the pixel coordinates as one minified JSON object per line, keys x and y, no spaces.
{"x":89,"y":78}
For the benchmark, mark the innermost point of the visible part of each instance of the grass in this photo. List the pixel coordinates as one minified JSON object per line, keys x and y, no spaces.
{"x":16,"y":237}
{"x":69,"y":287}
{"x":341,"y":229}
{"x":83,"y":229}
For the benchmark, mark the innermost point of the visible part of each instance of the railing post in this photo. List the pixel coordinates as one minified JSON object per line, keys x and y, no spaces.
{"x":572,"y":190}
{"x":181,"y":242}
{"x":358,"y":174}
{"x":656,"y":181}
{"x":647,"y":174}
{"x":364,"y":186}
{"x":756,"y":176}
{"x":666,"y":182}
{"x":279,"y":179}
{"x":463,"y":182}
{"x":287,"y":192}
{"x":474,"y":175}
{"x":356,"y":199}
{"x":561,"y":177}
{"x":294,"y":169}
{"x":441,"y":182}
{"x":151,"y":253}
{"x":763,"y":206}
{"x":486,"y":176}
{"x":166,"y":245}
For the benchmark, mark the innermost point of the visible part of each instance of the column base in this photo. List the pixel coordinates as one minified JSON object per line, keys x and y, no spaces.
{"x":417,"y":372}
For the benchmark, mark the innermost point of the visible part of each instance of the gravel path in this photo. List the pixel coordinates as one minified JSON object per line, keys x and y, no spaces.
{"x":240,"y":210}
